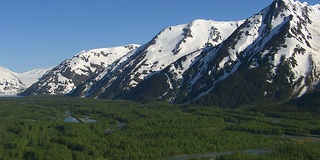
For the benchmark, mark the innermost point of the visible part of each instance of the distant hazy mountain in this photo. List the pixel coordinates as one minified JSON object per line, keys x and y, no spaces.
{"x":272,"y":55}
{"x":30,"y":77}
{"x":12,"y":83}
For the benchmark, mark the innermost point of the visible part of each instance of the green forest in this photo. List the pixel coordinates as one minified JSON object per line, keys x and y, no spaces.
{"x":59,"y":127}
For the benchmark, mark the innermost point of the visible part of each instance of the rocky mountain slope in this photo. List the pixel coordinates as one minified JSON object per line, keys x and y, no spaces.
{"x":272,"y":55}
{"x":165,"y":48}
{"x":64,"y":78}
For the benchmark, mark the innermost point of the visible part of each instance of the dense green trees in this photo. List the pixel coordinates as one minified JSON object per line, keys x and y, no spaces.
{"x":33,"y":128}
{"x":283,"y":152}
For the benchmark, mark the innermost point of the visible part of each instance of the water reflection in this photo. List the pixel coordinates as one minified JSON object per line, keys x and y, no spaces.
{"x":70,"y":119}
{"x":88,"y":120}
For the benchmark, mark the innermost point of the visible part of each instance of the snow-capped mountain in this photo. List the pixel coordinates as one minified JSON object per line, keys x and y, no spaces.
{"x":165,"y":48}
{"x":30,"y":77}
{"x":9,"y":83}
{"x":64,"y":78}
{"x":12,"y":83}
{"x":272,"y":55}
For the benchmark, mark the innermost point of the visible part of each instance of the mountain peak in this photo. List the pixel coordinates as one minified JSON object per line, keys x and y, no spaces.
{"x":291,"y":3}
{"x":272,"y":55}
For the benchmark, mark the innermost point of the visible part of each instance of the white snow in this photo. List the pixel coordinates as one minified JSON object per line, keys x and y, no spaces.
{"x":12,"y":83}
{"x":306,"y":62}
{"x":85,"y":64}
{"x":187,"y":41}
{"x":177,"y":41}
{"x":169,"y":82}
{"x":30,"y":77}
{"x":9,"y":83}
{"x":171,"y":44}
{"x":81,"y":63}
{"x":253,"y":33}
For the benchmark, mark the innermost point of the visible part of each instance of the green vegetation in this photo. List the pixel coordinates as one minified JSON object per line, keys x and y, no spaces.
{"x":34,"y":128}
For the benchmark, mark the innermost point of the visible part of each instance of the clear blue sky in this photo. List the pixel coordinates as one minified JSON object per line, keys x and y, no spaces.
{"x":43,"y":33}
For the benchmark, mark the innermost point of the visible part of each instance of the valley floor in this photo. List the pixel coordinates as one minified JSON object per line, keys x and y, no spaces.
{"x":35,"y":128}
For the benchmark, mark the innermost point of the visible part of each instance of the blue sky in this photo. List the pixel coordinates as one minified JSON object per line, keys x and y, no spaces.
{"x":43,"y":33}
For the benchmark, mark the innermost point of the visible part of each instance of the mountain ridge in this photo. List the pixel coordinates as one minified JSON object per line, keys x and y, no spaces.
{"x":230,"y":67}
{"x":272,"y":55}
{"x":64,"y":78}
{"x":146,"y":62}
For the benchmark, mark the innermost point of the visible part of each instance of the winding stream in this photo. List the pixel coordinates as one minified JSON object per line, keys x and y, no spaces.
{"x":88,"y":120}
{"x":120,"y":125}
{"x":70,"y":118}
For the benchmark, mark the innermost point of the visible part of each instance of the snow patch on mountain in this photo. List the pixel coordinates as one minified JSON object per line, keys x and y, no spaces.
{"x":303,"y":48}
{"x":295,"y":22}
{"x":177,"y":41}
{"x":9,"y":83}
{"x":30,"y":77}
{"x":169,"y":45}
{"x":189,"y":61}
{"x":84,"y":62}
{"x":65,"y":77}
